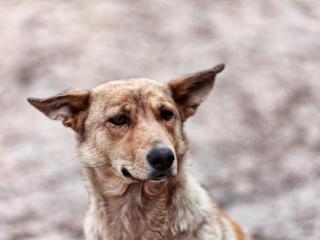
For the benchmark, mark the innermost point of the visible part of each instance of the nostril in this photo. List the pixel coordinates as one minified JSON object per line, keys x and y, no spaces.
{"x":161,"y":158}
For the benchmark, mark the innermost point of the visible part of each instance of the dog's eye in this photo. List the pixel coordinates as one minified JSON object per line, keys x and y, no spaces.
{"x":120,"y":120}
{"x":166,"y":115}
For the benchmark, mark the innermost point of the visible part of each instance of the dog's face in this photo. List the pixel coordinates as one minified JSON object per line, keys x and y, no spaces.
{"x":135,"y":126}
{"x":132,"y":127}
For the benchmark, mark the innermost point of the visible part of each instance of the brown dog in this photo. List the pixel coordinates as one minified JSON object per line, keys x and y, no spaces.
{"x":133,"y":152}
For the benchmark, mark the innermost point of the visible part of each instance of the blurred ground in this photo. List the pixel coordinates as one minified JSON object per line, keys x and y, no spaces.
{"x":256,"y":141}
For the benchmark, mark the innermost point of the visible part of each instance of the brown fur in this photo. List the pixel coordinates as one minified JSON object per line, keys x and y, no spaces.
{"x":237,"y":228}
{"x":125,"y":201}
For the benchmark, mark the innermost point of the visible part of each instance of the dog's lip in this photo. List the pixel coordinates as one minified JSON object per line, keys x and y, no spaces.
{"x":127,"y":174}
{"x":155,"y":177}
{"x":161,"y":176}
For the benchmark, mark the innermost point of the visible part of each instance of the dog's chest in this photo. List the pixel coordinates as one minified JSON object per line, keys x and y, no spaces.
{"x":131,"y":219}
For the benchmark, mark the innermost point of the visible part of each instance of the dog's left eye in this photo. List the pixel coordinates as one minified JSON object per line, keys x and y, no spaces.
{"x":166,"y":115}
{"x":120,"y":120}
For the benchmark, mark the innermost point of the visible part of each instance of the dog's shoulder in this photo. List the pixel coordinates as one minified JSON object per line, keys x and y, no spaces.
{"x":198,"y":214}
{"x":194,"y":209}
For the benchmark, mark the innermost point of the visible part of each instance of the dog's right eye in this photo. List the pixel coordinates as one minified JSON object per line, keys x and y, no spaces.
{"x":166,"y":115}
{"x":120,"y":120}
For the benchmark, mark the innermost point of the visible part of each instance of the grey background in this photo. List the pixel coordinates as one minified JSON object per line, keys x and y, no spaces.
{"x":255,"y":141}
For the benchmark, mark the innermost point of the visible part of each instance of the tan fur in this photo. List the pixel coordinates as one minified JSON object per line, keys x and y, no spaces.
{"x":136,"y":207}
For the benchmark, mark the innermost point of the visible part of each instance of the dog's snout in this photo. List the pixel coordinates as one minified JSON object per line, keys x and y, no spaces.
{"x":161,"y":158}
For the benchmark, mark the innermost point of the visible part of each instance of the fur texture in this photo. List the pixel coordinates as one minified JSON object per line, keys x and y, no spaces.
{"x":117,"y":125}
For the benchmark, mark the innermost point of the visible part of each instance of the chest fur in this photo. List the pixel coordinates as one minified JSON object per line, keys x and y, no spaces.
{"x":138,"y":215}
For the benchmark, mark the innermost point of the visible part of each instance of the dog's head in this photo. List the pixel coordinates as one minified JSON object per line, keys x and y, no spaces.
{"x":132,"y":127}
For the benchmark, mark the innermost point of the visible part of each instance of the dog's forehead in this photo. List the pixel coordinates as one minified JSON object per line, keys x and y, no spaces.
{"x":118,"y":91}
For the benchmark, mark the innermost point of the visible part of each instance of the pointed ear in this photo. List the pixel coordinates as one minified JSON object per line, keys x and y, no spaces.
{"x":70,"y":107}
{"x":190,"y":91}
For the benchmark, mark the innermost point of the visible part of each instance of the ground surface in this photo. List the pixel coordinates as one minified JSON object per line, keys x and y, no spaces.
{"x":256,"y":141}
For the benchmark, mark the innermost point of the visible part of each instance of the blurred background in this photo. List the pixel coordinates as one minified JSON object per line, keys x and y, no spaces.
{"x":255,"y":141}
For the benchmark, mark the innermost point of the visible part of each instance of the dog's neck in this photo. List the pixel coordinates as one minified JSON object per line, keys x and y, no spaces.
{"x":138,"y":210}
{"x":143,"y":210}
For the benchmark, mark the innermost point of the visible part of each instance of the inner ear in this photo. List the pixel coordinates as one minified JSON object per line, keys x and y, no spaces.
{"x":190,"y":91}
{"x":69,"y":107}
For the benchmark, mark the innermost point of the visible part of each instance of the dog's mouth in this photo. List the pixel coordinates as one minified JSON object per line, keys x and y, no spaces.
{"x":159,"y":176}
{"x":127,"y":174}
{"x":155,"y":176}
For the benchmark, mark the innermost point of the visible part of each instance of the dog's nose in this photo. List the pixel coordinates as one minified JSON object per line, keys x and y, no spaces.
{"x":160,"y":158}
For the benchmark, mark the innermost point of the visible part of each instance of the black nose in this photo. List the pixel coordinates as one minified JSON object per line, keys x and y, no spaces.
{"x":161,"y":158}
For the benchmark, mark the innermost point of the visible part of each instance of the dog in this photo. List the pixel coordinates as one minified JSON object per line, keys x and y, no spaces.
{"x":133,"y":153}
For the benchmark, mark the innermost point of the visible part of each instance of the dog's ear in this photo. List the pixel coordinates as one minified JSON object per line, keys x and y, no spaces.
{"x":70,"y":107}
{"x":190,"y":91}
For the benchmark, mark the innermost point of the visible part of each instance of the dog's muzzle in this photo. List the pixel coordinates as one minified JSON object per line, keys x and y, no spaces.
{"x":161,"y":160}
